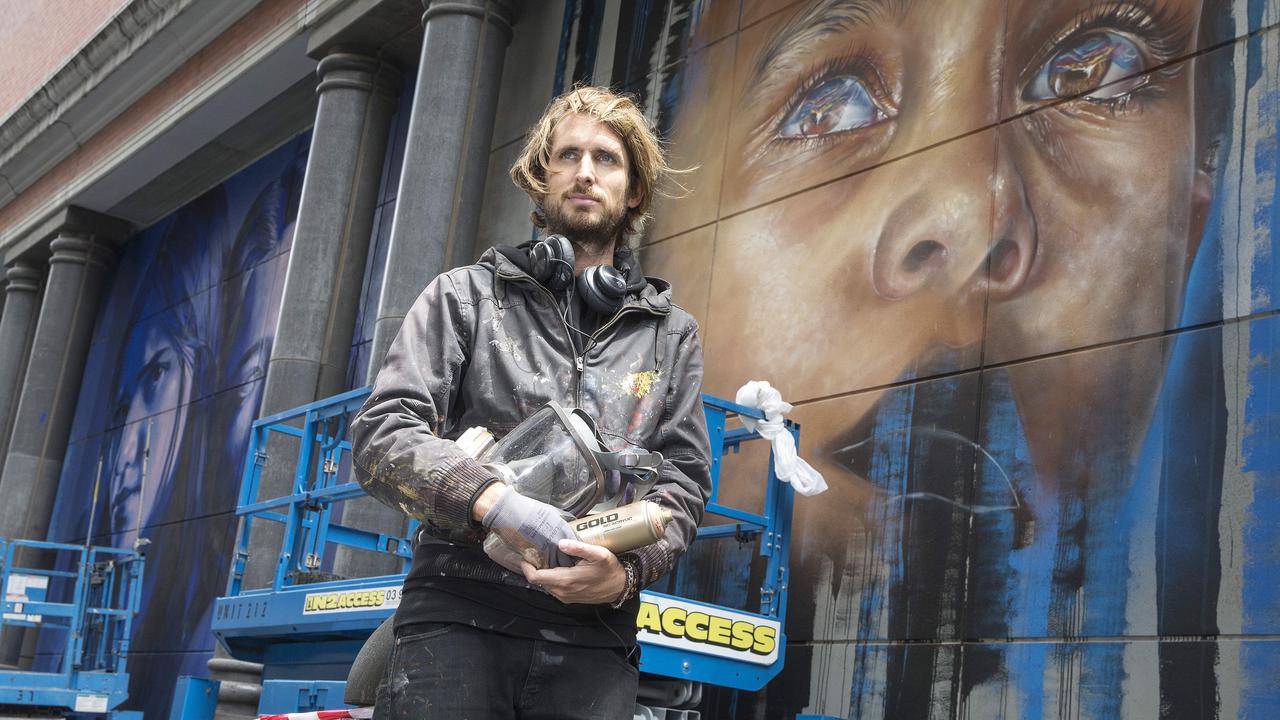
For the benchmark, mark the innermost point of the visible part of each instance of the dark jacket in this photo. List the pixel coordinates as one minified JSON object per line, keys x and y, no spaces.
{"x":487,"y":345}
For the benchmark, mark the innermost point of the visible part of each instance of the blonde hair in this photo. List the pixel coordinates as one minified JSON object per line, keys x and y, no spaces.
{"x":646,"y":158}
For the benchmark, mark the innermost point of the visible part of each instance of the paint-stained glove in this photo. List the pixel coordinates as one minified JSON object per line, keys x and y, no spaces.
{"x":533,"y":528}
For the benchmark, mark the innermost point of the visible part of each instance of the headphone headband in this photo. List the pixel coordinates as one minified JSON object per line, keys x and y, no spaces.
{"x":602,"y":287}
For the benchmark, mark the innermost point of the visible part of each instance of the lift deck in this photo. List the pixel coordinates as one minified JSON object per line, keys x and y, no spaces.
{"x":307,"y":633}
{"x":92,"y":606}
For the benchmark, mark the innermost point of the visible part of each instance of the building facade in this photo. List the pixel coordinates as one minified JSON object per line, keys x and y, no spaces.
{"x":1013,"y":262}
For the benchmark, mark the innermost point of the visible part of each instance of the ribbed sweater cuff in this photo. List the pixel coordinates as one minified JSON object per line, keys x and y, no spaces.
{"x":652,"y":561}
{"x":463,"y":481}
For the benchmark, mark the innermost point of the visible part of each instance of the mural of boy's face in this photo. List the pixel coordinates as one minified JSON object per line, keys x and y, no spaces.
{"x":930,"y":225}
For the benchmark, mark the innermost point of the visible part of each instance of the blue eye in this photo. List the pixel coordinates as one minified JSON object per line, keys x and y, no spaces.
{"x":837,"y":105}
{"x":1094,"y":66}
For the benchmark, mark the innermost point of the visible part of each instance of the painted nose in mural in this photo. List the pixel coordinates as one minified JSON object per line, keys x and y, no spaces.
{"x":963,"y":235}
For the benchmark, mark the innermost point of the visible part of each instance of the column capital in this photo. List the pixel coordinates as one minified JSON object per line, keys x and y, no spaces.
{"x":81,"y":249}
{"x":23,"y":276}
{"x":501,"y":13}
{"x":68,"y":220}
{"x":352,"y":69}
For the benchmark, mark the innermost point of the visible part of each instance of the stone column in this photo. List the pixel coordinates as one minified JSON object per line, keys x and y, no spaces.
{"x":47,"y":401}
{"x":16,"y":327}
{"x":447,"y":153}
{"x":312,"y":346}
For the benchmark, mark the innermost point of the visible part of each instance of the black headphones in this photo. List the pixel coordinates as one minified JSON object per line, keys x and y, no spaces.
{"x":602,"y":287}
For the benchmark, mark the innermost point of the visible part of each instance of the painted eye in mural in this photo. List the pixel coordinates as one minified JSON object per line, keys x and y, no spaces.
{"x":150,"y":378}
{"x":119,"y":411}
{"x":837,"y":105}
{"x":1100,"y":65}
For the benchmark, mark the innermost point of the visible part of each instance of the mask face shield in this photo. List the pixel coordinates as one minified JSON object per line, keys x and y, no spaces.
{"x":557,"y":456}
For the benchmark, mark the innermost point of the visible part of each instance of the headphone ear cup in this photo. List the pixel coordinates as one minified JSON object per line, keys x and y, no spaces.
{"x":551,"y":262}
{"x":602,"y":288}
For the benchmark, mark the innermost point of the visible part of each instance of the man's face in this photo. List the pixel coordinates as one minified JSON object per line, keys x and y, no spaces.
{"x":587,"y":182}
{"x":882,"y":222}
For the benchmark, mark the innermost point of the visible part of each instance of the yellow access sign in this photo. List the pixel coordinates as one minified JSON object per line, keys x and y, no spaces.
{"x":705,"y":629}
{"x":382,"y":598}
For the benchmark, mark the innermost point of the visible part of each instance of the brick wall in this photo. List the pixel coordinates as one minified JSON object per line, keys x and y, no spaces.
{"x":37,"y":37}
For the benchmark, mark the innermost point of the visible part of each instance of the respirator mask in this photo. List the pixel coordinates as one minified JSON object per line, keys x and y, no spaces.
{"x":557,"y":456}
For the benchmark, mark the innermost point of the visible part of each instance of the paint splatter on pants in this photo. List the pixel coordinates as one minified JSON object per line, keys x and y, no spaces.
{"x":458,"y":672}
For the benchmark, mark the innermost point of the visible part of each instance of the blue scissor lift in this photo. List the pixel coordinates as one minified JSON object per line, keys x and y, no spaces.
{"x":306,"y":634}
{"x":92,"y":606}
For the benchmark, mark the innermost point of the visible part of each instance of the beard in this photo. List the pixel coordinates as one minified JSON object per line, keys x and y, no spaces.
{"x":593,"y":233}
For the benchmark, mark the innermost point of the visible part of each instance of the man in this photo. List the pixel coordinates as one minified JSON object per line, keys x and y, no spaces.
{"x":487,"y":345}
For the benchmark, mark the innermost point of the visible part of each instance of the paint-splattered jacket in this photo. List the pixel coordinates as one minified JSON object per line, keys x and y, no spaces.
{"x":487,"y":345}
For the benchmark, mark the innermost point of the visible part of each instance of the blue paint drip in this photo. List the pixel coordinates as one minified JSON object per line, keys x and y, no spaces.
{"x":1260,"y":694}
{"x":1260,"y":536}
{"x":1261,"y":449}
{"x":890,"y":449}
{"x":1019,"y":607}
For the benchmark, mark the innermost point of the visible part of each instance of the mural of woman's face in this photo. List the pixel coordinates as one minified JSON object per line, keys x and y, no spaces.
{"x":150,"y":412}
{"x":884,"y":223}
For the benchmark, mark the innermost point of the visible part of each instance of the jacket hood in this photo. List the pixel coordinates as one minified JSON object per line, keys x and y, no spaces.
{"x":652,"y":292}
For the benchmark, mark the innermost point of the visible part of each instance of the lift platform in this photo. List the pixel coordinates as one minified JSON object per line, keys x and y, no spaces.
{"x":307,"y":633}
{"x":89,"y":610}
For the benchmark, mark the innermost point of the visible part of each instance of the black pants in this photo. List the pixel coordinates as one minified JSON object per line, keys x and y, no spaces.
{"x":457,"y":672}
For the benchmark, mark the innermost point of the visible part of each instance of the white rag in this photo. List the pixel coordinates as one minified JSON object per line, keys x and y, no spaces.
{"x":759,"y":394}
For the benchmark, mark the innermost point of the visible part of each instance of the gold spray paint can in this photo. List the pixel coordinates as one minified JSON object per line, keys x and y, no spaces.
{"x":624,"y":528}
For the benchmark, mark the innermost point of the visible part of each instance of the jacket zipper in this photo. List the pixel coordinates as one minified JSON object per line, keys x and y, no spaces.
{"x":568,"y":334}
{"x":620,"y":313}
{"x":612,"y":321}
{"x":579,"y":363}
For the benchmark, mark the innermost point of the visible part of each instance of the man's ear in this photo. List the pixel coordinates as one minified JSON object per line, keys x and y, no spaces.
{"x":634,"y":197}
{"x":1201,"y":200}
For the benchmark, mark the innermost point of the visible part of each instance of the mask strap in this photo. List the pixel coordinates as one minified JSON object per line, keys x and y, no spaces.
{"x":631,"y":462}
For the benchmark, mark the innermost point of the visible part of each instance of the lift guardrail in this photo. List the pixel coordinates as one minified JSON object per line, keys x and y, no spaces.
{"x":93,"y":605}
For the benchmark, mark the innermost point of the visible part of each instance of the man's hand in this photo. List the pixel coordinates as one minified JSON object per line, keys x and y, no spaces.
{"x":598,"y":578}
{"x":518,"y":518}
